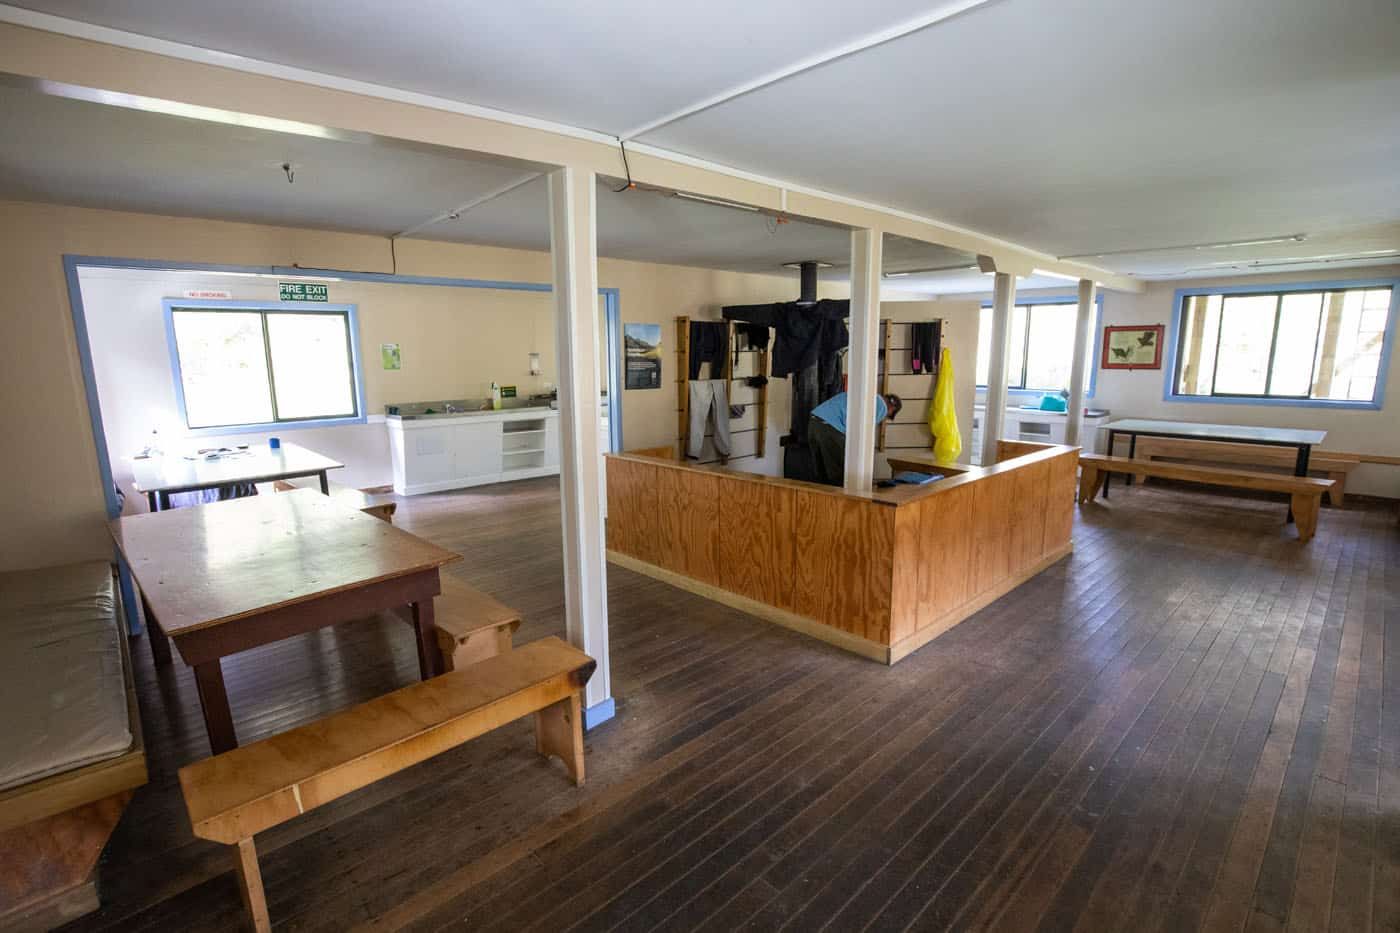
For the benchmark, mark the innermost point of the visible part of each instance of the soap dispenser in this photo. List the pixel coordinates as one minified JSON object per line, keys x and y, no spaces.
{"x":495,"y":397}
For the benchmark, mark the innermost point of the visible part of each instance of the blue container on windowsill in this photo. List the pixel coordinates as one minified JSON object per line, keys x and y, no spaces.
{"x":1053,"y":403}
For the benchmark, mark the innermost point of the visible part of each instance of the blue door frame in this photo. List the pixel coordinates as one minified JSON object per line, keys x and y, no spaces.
{"x":72,"y":263}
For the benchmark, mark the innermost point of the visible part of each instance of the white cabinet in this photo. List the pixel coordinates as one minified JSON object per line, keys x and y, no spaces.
{"x":1046,"y":427}
{"x":435,"y":454}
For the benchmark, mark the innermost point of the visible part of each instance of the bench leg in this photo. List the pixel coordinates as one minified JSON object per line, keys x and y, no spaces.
{"x":251,"y":886}
{"x":1338,"y":493}
{"x":1091,"y":479}
{"x":476,"y":647}
{"x":559,"y":732}
{"x":1305,"y":508}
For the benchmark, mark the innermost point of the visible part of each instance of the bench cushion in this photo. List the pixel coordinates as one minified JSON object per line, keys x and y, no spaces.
{"x":61,"y":667}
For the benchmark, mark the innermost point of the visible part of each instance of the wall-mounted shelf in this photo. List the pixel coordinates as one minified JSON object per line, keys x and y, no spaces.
{"x":760,"y":403}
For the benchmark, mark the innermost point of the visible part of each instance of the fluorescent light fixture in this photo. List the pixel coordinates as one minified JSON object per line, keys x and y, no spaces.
{"x":933,"y":271}
{"x":1293,"y":238}
{"x":1056,"y":275}
{"x":1372,"y":255}
{"x":1225,"y":244}
{"x":174,"y":108}
{"x":717,"y":201}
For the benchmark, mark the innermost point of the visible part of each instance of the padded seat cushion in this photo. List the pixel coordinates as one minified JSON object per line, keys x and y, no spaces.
{"x":62,"y":686}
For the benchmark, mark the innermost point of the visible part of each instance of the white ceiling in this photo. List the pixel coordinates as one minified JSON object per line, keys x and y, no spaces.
{"x":78,"y":152}
{"x":601,"y":66}
{"x":1070,"y":126}
{"x":75,"y":152}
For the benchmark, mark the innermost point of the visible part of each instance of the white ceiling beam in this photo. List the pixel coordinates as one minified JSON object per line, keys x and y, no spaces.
{"x":935,"y":16}
{"x":53,"y":49}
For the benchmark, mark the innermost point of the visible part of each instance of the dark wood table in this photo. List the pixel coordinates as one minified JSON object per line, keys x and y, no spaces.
{"x":229,"y":576}
{"x":158,"y":477}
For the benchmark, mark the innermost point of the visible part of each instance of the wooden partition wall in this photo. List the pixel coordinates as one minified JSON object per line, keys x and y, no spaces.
{"x":878,"y":574}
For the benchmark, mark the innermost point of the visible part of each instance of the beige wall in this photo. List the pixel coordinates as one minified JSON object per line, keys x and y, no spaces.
{"x":52,"y":498}
{"x":454,"y":342}
{"x":1138,"y":394}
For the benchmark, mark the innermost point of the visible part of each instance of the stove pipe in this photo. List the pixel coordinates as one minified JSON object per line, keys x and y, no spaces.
{"x":808,"y":294}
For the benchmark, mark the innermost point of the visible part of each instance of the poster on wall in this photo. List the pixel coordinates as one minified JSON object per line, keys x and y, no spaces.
{"x":1132,"y":347}
{"x":643,"y":356}
{"x":390,"y":356}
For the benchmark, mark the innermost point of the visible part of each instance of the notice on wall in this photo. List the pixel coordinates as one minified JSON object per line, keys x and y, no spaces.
{"x":390,"y":356}
{"x":643,"y":356}
{"x":215,"y":294}
{"x":303,"y":291}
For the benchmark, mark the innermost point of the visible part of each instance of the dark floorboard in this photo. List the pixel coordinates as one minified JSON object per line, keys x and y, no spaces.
{"x":1191,"y":723}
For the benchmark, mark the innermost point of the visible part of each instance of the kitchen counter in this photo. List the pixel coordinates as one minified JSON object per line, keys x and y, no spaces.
{"x":533,"y":412}
{"x":454,"y":450}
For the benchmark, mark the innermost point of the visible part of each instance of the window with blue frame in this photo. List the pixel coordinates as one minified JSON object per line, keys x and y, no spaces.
{"x":1305,"y":343}
{"x":247,"y":366}
{"x":1042,"y":346}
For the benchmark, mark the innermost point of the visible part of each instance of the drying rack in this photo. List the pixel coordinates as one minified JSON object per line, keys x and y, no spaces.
{"x":927,"y":381}
{"x":760,"y":403}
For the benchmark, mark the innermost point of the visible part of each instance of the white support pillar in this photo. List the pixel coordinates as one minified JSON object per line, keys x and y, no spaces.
{"x":574,"y":245}
{"x":1083,"y":352}
{"x":1003,"y":299}
{"x":867,"y":261}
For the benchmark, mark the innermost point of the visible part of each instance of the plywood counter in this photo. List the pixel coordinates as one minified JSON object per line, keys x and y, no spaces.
{"x":879,"y":574}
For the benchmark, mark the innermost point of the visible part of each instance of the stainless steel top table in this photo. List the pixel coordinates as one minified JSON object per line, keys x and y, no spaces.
{"x":158,"y":477}
{"x":1234,"y":433}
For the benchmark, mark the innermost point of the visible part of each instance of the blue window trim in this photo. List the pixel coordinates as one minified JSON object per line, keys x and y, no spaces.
{"x":1022,"y":395}
{"x":1169,"y":393}
{"x":170,"y":305}
{"x":72,"y":262}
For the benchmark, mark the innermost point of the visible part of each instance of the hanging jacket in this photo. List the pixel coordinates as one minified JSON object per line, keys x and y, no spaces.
{"x":943,"y":414}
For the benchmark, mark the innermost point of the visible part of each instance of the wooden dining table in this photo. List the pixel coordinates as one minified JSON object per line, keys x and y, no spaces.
{"x":158,"y":478}
{"x":225,"y":577}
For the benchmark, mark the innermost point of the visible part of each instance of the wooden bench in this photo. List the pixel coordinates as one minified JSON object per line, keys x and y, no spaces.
{"x":1306,"y":491}
{"x":381,"y":507}
{"x":1336,"y":467}
{"x":471,"y":625}
{"x":233,"y":796}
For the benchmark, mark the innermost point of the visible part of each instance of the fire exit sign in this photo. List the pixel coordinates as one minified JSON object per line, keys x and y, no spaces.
{"x":303,"y":291}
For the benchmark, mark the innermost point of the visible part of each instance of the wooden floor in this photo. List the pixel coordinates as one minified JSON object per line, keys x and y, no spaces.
{"x":1193,"y":722}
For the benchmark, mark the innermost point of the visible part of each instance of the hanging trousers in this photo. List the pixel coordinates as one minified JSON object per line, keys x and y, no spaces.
{"x":708,"y":396}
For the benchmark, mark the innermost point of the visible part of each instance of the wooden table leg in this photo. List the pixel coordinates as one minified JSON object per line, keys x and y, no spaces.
{"x":218,"y":720}
{"x":1300,"y":468}
{"x":1107,"y":480}
{"x":430,"y":662}
{"x":160,"y":645}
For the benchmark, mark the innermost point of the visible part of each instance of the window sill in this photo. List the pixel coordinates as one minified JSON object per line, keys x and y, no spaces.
{"x":1271,"y":402}
{"x":274,"y":427}
{"x":981,"y":391}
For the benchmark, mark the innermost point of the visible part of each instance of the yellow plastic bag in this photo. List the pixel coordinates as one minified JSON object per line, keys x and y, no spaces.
{"x":943,"y":415}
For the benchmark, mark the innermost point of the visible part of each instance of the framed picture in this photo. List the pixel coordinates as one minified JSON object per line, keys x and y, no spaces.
{"x":390,"y":356}
{"x":1136,"y":346}
{"x":642,"y":358}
